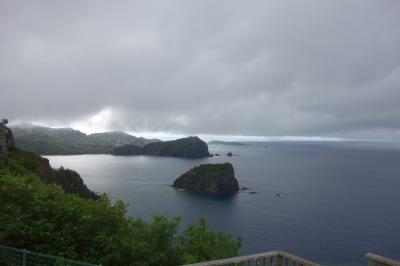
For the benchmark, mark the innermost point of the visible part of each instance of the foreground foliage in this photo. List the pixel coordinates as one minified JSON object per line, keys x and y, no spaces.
{"x":42,"y":217}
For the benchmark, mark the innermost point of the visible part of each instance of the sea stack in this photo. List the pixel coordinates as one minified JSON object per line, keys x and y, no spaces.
{"x":218,"y":179}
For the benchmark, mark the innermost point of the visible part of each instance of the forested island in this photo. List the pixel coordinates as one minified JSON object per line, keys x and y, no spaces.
{"x":216,"y":179}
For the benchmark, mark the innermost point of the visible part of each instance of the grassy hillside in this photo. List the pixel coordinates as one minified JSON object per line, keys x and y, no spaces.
{"x":57,"y":141}
{"x":28,"y":163}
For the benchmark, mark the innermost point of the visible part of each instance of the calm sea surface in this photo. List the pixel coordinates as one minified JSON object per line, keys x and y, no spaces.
{"x":338,"y":200}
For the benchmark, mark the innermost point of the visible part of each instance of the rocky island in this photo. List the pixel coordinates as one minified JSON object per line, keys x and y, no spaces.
{"x":216,"y":179}
{"x":190,"y":147}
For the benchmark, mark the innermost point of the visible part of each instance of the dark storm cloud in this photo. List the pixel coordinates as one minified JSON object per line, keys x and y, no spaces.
{"x":217,"y":67}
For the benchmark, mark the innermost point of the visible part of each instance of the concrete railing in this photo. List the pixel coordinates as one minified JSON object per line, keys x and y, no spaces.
{"x":376,"y":260}
{"x":272,"y":258}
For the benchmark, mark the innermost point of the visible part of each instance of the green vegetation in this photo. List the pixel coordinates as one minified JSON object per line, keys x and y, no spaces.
{"x":24,"y":163}
{"x":42,"y":217}
{"x":27,"y":163}
{"x":213,"y":169}
{"x":215,"y":179}
{"x":190,"y":147}
{"x":45,"y":140}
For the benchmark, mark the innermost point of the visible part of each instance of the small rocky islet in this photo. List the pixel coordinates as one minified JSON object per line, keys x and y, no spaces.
{"x":216,"y":179}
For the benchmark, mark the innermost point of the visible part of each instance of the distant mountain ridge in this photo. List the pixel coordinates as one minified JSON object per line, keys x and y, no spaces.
{"x":190,"y":147}
{"x":68,"y":141}
{"x":220,"y":142}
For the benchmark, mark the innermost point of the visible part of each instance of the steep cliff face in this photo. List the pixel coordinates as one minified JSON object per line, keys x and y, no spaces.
{"x":191,"y":147}
{"x":23,"y":162}
{"x":209,"y":178}
{"x":72,"y":182}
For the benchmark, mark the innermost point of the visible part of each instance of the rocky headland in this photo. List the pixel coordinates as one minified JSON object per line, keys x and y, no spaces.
{"x":24,"y":162}
{"x":190,"y":147}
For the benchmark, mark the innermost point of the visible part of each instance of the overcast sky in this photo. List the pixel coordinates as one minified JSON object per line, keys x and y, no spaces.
{"x":265,"y":68}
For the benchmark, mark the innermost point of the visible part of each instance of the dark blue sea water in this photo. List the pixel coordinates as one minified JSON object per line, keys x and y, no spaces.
{"x":338,"y":200}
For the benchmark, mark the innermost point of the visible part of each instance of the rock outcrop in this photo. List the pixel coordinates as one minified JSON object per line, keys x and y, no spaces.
{"x":72,"y":182}
{"x":209,"y":178}
{"x":191,"y":147}
{"x":10,"y":140}
{"x":24,"y":162}
{"x":68,"y":180}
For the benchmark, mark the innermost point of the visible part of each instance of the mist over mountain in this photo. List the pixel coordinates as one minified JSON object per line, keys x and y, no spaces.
{"x":46,"y":140}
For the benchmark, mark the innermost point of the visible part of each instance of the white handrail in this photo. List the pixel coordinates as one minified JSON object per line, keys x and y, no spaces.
{"x":257,"y":257}
{"x":374,"y":259}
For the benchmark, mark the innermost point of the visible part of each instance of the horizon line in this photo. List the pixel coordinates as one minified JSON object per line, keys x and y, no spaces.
{"x":208,"y":137}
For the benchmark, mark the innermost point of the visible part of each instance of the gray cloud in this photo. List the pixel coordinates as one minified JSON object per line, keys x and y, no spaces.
{"x":213,"y":67}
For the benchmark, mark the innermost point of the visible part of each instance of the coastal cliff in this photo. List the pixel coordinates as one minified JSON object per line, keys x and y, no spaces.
{"x":27,"y":163}
{"x":190,"y":147}
{"x":23,"y":162}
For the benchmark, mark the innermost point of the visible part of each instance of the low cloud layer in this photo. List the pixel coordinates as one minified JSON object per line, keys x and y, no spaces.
{"x":308,"y":68}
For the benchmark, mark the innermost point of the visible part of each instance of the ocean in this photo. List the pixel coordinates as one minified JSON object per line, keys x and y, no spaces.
{"x":330,"y":202}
